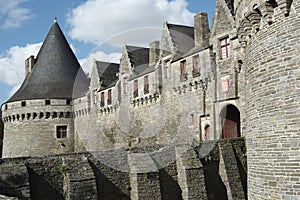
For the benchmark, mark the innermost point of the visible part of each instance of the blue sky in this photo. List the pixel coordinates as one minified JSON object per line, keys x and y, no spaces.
{"x":95,"y":29}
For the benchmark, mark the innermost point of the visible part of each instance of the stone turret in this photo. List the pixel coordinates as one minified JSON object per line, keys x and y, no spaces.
{"x":38,"y":118}
{"x":267,"y":33}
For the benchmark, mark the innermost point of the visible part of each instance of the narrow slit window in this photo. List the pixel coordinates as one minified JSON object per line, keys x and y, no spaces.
{"x":136,"y":89}
{"x":146,"y":85}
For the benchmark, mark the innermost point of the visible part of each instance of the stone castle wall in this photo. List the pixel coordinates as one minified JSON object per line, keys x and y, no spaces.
{"x":270,"y":35}
{"x":152,"y":172}
{"x":36,"y":122}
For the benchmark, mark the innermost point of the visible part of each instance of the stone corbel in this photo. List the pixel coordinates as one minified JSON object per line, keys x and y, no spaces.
{"x":285,"y":6}
{"x":267,"y":11}
{"x":254,"y":17}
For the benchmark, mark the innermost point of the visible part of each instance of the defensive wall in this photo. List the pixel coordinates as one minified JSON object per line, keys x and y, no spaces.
{"x":212,"y":170}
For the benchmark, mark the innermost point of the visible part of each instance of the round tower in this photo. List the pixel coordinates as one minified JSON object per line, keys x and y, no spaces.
{"x":38,"y":118}
{"x":269,"y":33}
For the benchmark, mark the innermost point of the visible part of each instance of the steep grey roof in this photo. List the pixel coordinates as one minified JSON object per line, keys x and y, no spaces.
{"x":107,"y":72}
{"x":182,"y":37}
{"x":139,"y":58}
{"x":56,"y":73}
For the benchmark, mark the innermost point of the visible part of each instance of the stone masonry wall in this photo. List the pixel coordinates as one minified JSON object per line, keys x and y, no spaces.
{"x":157,"y":172}
{"x":31,"y":129}
{"x":273,"y":95}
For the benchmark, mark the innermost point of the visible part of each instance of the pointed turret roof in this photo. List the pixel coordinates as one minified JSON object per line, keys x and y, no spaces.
{"x":56,"y":73}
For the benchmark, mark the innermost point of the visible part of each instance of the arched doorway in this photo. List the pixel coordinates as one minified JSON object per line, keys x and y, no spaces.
{"x":230,"y":122}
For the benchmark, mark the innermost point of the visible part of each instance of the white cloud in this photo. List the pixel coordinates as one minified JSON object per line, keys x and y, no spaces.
{"x":87,"y":63}
{"x":12,"y":63}
{"x":113,"y":22}
{"x":13,"y":14}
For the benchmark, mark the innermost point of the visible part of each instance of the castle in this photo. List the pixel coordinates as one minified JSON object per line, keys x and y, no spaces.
{"x":195,"y":85}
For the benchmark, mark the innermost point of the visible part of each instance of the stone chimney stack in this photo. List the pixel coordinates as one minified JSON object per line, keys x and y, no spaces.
{"x":201,"y":29}
{"x":29,"y":62}
{"x":154,"y":52}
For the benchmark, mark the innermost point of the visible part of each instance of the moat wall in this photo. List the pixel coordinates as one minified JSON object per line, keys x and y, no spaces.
{"x":138,"y":173}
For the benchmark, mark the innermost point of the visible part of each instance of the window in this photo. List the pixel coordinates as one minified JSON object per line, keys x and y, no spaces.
{"x":224,"y":48}
{"x":47,"y":102}
{"x":206,"y":132}
{"x":183,"y":74}
{"x":61,"y":132}
{"x":166,"y":69}
{"x":225,"y":85}
{"x":102,"y":99}
{"x":5,"y":107}
{"x":136,"y":89}
{"x":23,"y":103}
{"x":146,"y":85}
{"x":196,"y":67}
{"x":109,"y":97}
{"x":192,"y":119}
{"x":68,"y":101}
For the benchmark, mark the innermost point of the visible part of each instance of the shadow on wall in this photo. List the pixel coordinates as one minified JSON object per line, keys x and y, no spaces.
{"x":8,"y":186}
{"x":40,"y":187}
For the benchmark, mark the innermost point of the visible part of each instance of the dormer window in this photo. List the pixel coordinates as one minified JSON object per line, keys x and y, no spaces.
{"x":224,"y":48}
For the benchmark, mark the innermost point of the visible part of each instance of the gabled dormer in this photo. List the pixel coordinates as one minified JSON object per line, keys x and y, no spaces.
{"x":223,"y":19}
{"x":176,"y":39}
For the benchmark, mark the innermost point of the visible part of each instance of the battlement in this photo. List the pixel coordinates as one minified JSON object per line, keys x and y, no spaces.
{"x":37,"y":109}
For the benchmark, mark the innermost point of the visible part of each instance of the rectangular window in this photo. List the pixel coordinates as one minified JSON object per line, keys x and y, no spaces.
{"x":102,"y":99}
{"x":68,"y":102}
{"x":109,"y":97}
{"x":166,"y":69}
{"x":136,"y":89}
{"x":192,"y":119}
{"x":183,"y":74}
{"x":61,"y":132}
{"x":47,"y":102}
{"x":224,"y":48}
{"x":196,"y":67}
{"x":146,"y":85}
{"x":23,"y":103}
{"x":225,"y":85}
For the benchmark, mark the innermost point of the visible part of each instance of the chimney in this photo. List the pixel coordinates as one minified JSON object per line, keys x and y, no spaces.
{"x":154,"y":52}
{"x":29,"y":63}
{"x":201,"y":30}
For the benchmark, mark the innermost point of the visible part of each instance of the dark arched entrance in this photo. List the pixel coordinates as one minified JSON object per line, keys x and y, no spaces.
{"x":230,"y":122}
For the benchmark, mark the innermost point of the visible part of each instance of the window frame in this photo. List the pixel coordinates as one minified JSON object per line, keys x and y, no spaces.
{"x":226,"y":46}
{"x":183,"y":73}
{"x":196,"y":65}
{"x":61,"y":132}
{"x":135,"y":88}
{"x":146,"y":84}
{"x":109,"y":97}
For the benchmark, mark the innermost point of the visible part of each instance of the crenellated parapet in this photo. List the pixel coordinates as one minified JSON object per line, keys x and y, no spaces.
{"x":36,"y":110}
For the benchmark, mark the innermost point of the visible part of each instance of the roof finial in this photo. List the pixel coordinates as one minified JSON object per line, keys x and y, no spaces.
{"x":55,"y":19}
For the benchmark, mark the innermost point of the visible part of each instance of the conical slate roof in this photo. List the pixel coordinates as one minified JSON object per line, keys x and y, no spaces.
{"x":56,"y":73}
